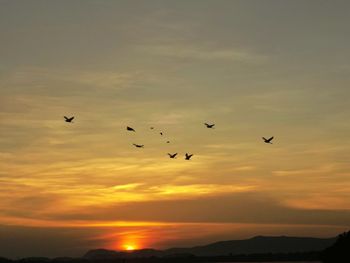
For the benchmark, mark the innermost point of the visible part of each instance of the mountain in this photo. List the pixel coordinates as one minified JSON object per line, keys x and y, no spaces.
{"x":258,"y":244}
{"x":102,"y":254}
{"x":255,"y":245}
{"x":111,"y":254}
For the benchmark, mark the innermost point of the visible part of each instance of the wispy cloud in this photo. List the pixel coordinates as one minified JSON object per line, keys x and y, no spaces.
{"x":42,"y":78}
{"x":320,"y":201}
{"x":183,"y":51}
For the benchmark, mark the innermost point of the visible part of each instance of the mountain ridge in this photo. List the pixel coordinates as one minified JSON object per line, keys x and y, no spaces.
{"x":257,"y":244}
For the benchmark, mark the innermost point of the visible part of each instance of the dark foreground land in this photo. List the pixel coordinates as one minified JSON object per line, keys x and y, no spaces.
{"x":292,"y":257}
{"x":295,"y":257}
{"x":337,"y":252}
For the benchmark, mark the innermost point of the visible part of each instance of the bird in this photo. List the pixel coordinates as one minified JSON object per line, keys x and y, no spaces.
{"x":68,"y":119}
{"x":188,"y":156}
{"x":138,"y":145}
{"x":209,"y":126}
{"x":268,"y":140}
{"x":172,"y":156}
{"x":161,"y":133}
{"x":167,"y":141}
{"x":130,"y":129}
{"x":152,"y":128}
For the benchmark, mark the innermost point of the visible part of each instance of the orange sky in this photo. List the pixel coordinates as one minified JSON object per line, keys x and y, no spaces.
{"x":255,"y":69}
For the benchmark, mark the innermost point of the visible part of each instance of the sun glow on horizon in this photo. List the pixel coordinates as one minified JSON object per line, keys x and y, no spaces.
{"x":129,"y":247}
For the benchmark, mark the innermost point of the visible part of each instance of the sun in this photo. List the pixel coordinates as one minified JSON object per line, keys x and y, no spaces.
{"x":129,"y":247}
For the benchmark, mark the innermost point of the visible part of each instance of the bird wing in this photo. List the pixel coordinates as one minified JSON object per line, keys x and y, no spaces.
{"x":65,"y":117}
{"x":264,"y":139}
{"x":270,"y":139}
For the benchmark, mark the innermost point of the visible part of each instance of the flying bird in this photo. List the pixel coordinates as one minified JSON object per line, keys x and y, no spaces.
{"x":161,"y":133}
{"x":209,"y":126}
{"x":172,"y":156}
{"x":138,"y":145}
{"x":188,"y":156}
{"x":167,"y":141}
{"x":68,"y":119}
{"x":130,"y":129}
{"x":268,"y":140}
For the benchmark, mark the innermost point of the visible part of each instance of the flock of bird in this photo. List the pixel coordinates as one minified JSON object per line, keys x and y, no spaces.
{"x":172,"y":156}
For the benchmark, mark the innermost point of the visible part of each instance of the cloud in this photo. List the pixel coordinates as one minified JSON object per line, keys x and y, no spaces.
{"x":41,"y":79}
{"x":321,"y":201}
{"x":238,"y":207}
{"x":183,"y":51}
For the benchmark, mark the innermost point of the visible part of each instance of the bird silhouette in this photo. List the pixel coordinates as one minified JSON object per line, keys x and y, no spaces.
{"x":209,"y":126}
{"x":161,"y":133}
{"x":268,"y":140}
{"x":68,"y":119}
{"x":138,"y":145}
{"x":188,"y":156}
{"x":167,"y":141}
{"x":172,"y":156}
{"x":130,"y":129}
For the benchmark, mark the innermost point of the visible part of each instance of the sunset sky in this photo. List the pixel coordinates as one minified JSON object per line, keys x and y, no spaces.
{"x":254,"y":68}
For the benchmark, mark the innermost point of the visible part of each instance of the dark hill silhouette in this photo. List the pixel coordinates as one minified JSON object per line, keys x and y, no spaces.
{"x":254,"y":245}
{"x":339,"y":252}
{"x":105,"y":254}
{"x":258,"y":244}
{"x":102,"y":254}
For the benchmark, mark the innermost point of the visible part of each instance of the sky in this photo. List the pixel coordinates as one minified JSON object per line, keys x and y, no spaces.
{"x":254,"y":68}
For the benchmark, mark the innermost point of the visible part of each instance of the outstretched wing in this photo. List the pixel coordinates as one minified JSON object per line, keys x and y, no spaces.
{"x":270,"y":139}
{"x":68,"y":119}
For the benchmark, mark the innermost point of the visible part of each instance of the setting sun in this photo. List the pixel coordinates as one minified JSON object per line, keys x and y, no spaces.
{"x":129,"y":247}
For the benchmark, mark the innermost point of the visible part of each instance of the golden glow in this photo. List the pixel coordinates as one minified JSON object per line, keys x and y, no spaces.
{"x":88,"y":179}
{"x":129,"y":247}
